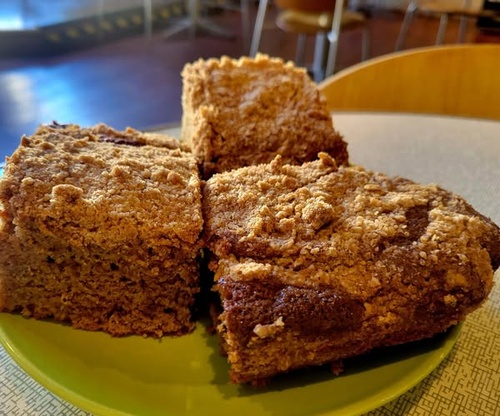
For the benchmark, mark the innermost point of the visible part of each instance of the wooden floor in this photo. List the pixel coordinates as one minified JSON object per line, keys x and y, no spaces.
{"x":130,"y":82}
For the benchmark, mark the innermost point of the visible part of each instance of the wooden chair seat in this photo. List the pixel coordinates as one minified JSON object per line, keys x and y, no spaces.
{"x":442,"y":6}
{"x":311,"y":23}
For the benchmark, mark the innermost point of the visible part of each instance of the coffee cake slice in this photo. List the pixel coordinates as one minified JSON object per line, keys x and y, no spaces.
{"x":101,"y":228}
{"x":244,"y":112}
{"x":317,"y":263}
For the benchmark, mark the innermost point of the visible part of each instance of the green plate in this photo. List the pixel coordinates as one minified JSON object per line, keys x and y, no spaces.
{"x":187,"y":376}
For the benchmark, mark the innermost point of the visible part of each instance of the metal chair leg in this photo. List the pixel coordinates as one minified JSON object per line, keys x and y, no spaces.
{"x":318,"y":66}
{"x":333,"y":37}
{"x":148,"y":19}
{"x":462,"y":30}
{"x":405,"y":26}
{"x":257,"y":31}
{"x":300,"y":50}
{"x":365,"y":44}
{"x":443,"y":23}
{"x":245,"y":22}
{"x":100,"y":19}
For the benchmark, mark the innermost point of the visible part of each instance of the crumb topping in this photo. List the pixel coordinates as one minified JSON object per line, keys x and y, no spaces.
{"x":264,"y":331}
{"x":244,"y":112}
{"x":109,"y":191}
{"x":346,"y":227}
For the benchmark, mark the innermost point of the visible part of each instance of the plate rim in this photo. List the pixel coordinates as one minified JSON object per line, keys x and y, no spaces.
{"x":88,"y":404}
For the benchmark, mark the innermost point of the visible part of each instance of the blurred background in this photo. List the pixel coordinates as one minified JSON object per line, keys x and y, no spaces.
{"x":119,"y":61}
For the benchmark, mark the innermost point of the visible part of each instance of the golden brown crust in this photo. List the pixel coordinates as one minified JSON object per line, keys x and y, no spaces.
{"x":101,"y":228}
{"x":406,"y":260}
{"x":246,"y":111}
{"x":67,"y":176}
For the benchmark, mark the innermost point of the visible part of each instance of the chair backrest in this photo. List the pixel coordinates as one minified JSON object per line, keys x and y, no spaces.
{"x":462,"y":80}
{"x":307,"y":6}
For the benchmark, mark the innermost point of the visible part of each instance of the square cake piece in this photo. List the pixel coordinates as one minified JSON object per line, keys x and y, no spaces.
{"x":317,"y":263}
{"x":245,"y":112}
{"x":101,"y":229}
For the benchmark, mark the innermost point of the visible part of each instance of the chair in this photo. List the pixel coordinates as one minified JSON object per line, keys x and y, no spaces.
{"x":322,"y":18}
{"x":444,"y":9}
{"x":459,"y":80}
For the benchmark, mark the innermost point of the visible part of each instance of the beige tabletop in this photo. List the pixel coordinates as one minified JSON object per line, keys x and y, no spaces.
{"x":461,"y":155}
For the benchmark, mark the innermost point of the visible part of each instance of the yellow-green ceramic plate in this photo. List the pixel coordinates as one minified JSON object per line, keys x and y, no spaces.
{"x":187,"y":376}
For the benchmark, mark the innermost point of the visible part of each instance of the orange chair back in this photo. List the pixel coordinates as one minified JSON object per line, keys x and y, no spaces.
{"x":460,"y":80}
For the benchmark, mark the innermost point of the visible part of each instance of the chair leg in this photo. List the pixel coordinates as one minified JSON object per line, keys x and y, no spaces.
{"x":333,"y":37}
{"x":365,"y":44}
{"x":100,"y":19}
{"x":443,"y":24}
{"x":148,"y":19}
{"x":257,"y":30}
{"x":405,"y":26}
{"x":245,"y":22}
{"x":300,"y":50}
{"x":318,"y":66}
{"x":462,"y":30}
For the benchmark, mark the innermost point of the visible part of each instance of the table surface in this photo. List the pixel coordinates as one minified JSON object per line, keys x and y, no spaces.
{"x":461,"y":155}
